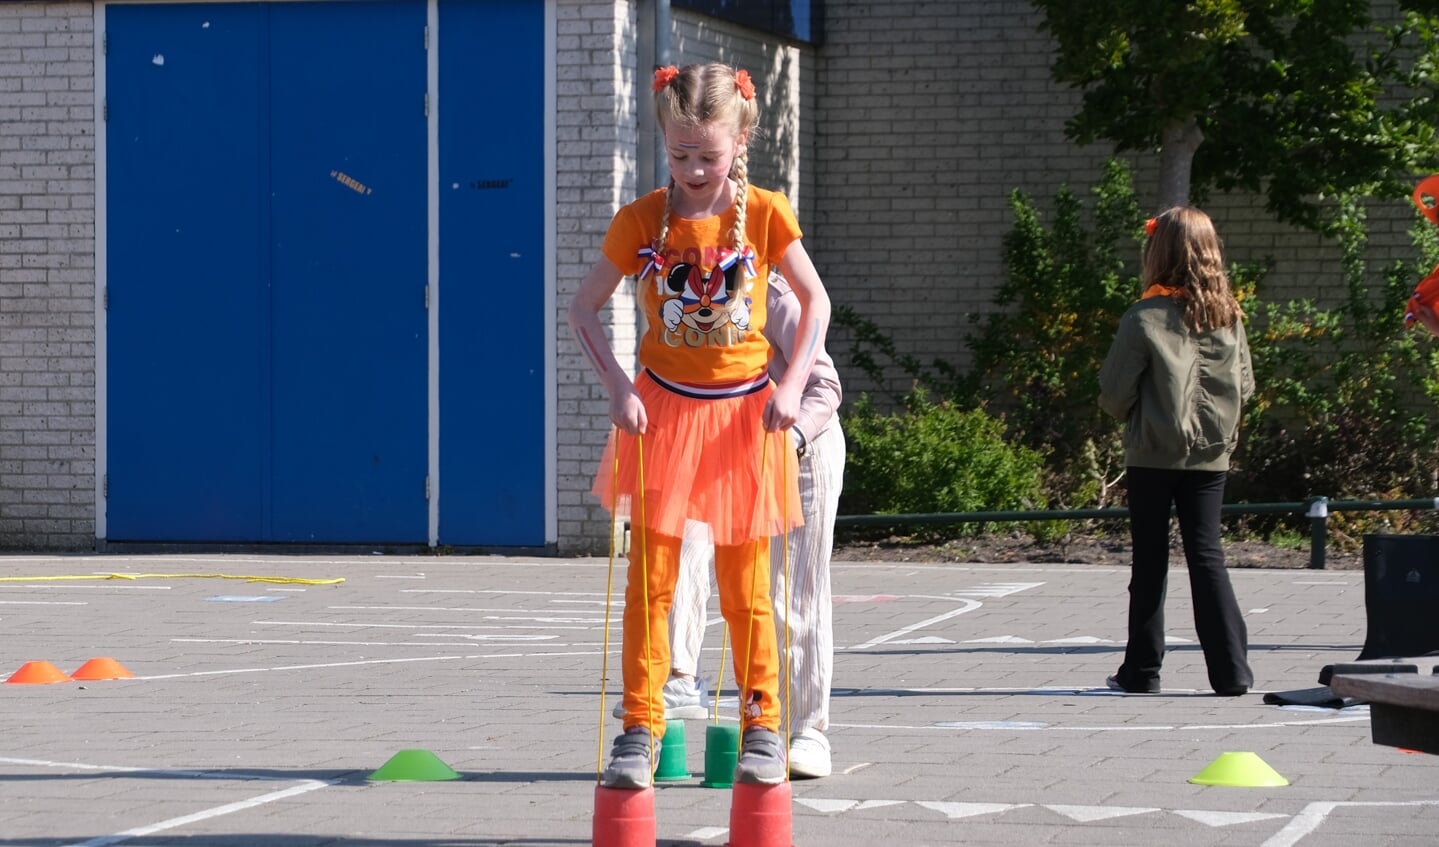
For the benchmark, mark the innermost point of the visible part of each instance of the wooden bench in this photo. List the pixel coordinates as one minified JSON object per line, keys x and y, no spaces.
{"x":1403,"y":708}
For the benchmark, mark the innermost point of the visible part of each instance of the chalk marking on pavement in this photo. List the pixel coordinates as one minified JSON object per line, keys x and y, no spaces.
{"x":968,"y":810}
{"x":47,"y":763}
{"x":368,"y":662}
{"x":1218,"y":819}
{"x":950,"y":568}
{"x":997,"y":589}
{"x":1304,"y":823}
{"x":1088,"y":814}
{"x":365,"y":625}
{"x":466,"y":609}
{"x":997,"y":725}
{"x":315,"y":642}
{"x":970,"y":605}
{"x":44,"y":603}
{"x":79,"y":586}
{"x":500,"y":591}
{"x":304,"y":786}
{"x":1314,"y":814}
{"x":389,"y":561}
{"x":207,"y":814}
{"x":833,"y":806}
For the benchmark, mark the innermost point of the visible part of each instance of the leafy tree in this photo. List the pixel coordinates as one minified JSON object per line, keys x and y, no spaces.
{"x":1037,"y":356}
{"x":1346,"y":397}
{"x":1301,"y":100}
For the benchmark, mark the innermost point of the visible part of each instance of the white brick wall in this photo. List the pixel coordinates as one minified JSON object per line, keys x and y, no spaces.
{"x":595,"y":175}
{"x":47,"y":276}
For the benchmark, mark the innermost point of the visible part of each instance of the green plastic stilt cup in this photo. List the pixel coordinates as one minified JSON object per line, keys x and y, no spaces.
{"x":672,"y":754}
{"x":721,"y":755}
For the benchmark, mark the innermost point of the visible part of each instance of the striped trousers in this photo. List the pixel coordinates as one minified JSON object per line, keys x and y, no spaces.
{"x":799,"y":586}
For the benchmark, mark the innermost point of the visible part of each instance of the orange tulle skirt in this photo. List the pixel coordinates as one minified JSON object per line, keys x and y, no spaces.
{"x":708,"y":460}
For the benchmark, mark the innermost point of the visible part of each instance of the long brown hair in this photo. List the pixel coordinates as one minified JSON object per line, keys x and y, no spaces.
{"x":1184,"y":253}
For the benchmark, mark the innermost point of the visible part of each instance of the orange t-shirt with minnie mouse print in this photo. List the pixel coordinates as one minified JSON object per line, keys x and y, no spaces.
{"x":703,"y":303}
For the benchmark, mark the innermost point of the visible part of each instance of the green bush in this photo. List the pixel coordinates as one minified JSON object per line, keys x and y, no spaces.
{"x":1347,"y":402}
{"x":1346,"y":395}
{"x":1037,"y":356}
{"x":935,"y":458}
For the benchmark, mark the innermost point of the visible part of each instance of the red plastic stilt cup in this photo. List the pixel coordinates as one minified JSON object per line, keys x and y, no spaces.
{"x":624,"y":817}
{"x":761,"y":816}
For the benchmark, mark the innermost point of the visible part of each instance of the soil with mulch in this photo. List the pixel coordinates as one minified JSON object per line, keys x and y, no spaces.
{"x":1094,"y":549}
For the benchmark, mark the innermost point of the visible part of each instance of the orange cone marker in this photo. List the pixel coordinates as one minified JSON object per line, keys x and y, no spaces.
{"x":37,"y":673}
{"x":761,"y":816}
{"x":102,"y":667}
{"x":624,"y":817}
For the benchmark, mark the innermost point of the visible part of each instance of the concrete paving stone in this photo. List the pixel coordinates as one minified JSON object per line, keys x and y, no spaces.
{"x":968,"y":708}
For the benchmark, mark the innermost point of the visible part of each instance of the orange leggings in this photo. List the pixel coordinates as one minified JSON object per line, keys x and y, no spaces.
{"x":742,"y":577}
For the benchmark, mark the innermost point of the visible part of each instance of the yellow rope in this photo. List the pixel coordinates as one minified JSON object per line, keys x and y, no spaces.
{"x":788,"y":653}
{"x":719,"y":681}
{"x":609,"y":595}
{"x":283,"y":580}
{"x":645,"y":591}
{"x":753,"y":581}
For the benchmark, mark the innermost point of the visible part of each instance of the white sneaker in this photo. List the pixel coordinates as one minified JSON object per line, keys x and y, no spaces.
{"x":809,"y":755}
{"x":685,"y":699}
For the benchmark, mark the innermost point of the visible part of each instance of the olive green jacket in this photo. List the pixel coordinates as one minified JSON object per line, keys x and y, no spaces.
{"x":1179,"y":393}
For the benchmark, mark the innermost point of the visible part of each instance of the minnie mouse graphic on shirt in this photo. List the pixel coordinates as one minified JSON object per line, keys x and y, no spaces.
{"x":706,"y":305}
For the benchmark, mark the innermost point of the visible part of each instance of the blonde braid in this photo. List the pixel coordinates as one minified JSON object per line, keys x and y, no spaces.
{"x":659,"y":246}
{"x":740,"y":173}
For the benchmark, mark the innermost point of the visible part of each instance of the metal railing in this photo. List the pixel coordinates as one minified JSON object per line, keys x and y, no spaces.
{"x":1317,"y":509}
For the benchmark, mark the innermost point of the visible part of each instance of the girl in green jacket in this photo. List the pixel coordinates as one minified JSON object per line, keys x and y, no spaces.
{"x":1178,"y":374}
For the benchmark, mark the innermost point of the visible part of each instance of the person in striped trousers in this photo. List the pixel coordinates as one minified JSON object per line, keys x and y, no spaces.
{"x":804,"y":606}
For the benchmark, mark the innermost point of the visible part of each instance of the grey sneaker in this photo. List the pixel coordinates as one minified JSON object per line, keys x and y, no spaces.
{"x":685,"y":699}
{"x":761,"y":758}
{"x":630,"y":763}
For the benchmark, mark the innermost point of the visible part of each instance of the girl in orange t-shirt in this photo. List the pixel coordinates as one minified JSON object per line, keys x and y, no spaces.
{"x":702,"y":417}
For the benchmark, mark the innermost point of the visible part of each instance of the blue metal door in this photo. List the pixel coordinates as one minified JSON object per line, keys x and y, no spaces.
{"x":266,"y":270}
{"x":187,"y":352}
{"x":492,"y":273}
{"x":348,"y":202}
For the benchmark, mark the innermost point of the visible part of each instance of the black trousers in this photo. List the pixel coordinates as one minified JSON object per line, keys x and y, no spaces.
{"x":1197,"y":497}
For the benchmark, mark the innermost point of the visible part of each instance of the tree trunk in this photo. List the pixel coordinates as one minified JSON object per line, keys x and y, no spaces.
{"x":1176,"y":161}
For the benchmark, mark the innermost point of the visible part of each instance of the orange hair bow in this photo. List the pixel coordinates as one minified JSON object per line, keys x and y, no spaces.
{"x":744,"y":84}
{"x":664,"y":76}
{"x":1150,"y":226}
